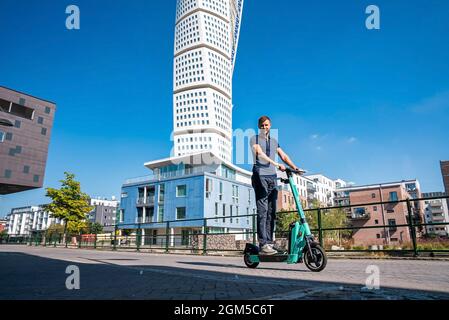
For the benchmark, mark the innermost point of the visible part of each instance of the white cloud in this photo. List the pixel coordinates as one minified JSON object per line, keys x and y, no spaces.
{"x":351,"y":140}
{"x":314,"y":136}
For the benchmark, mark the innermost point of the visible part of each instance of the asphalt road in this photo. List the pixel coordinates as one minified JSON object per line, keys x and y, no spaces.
{"x":40,"y":273}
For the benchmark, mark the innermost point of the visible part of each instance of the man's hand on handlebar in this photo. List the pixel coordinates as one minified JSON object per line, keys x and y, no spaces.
{"x":281,"y":167}
{"x":300,"y":171}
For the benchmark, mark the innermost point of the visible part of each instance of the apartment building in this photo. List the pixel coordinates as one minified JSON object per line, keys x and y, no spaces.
{"x":386,"y":216}
{"x":104,"y":212}
{"x":26,"y":221}
{"x":436,"y":211}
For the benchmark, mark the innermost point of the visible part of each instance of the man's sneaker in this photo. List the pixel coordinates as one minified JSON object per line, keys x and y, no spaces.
{"x":267,"y":250}
{"x":275,"y":247}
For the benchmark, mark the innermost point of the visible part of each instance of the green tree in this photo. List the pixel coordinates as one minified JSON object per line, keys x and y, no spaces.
{"x":333,"y":218}
{"x":94,"y":228}
{"x":54,"y":230}
{"x":69,"y":204}
{"x":3,"y":234}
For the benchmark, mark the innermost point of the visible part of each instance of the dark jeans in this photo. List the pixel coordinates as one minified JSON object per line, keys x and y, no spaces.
{"x":266,"y":197}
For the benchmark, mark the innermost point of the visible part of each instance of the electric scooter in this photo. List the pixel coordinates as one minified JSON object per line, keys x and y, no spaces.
{"x":302,"y":246}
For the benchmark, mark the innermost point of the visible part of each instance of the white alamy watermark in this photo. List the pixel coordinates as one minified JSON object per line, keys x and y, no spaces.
{"x":372,"y":282}
{"x":72,"y":22}
{"x":73,"y":280}
{"x":195,"y":144}
{"x":372,"y":22}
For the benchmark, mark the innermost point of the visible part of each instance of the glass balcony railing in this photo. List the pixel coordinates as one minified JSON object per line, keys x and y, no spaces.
{"x":145,"y":201}
{"x":360,"y":216}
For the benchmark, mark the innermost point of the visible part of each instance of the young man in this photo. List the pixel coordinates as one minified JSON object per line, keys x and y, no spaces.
{"x":264,"y":182}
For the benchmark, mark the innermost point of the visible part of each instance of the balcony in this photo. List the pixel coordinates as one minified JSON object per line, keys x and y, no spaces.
{"x":358,"y":216}
{"x":148,"y":201}
{"x":438,"y":217}
{"x":139,"y":220}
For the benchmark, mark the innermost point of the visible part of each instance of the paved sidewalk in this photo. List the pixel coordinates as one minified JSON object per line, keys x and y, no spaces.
{"x":39,"y":273}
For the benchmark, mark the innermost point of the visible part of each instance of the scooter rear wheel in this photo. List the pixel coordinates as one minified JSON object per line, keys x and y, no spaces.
{"x":248,"y":262}
{"x":320,"y":261}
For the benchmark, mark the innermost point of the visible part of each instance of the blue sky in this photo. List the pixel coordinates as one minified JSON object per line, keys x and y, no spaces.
{"x":363,"y":105}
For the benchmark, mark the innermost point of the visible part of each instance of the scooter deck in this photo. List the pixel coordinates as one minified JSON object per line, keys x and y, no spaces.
{"x":273,"y":258}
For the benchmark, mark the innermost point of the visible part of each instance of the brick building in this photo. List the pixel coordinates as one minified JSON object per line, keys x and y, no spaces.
{"x":24,"y":145}
{"x":390,"y":215}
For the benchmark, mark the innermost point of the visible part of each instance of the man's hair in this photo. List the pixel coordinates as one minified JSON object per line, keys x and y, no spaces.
{"x":262,"y":119}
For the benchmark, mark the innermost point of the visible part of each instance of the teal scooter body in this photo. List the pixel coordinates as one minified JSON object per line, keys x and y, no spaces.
{"x":302,"y":246}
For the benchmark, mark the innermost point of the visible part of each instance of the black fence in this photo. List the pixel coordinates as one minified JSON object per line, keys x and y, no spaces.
{"x":348,"y":228}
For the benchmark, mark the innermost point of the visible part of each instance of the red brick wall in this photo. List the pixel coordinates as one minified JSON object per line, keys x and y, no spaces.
{"x":380,"y":216}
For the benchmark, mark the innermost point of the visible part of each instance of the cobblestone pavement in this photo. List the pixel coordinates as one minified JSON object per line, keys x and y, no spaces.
{"x":39,"y":273}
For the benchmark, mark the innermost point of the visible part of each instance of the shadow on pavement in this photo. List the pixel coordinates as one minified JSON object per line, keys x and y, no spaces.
{"x":227,"y":265}
{"x":25,"y":276}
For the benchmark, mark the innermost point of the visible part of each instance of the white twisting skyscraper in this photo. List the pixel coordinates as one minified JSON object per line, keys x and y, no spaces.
{"x":206,"y":39}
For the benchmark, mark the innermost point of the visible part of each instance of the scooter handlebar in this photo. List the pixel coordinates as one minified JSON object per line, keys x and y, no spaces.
{"x":290,"y":171}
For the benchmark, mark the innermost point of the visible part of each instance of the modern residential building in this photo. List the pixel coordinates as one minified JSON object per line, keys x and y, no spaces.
{"x":104,"y":213}
{"x":444,"y":165}
{"x":27,"y":221}
{"x":206,"y":40}
{"x":181,"y":187}
{"x":310,"y":187}
{"x":181,"y":190}
{"x":24,"y":146}
{"x":436,"y":211}
{"x":388,"y":214}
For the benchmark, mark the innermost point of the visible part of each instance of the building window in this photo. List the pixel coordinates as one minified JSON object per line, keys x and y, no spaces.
{"x":22,"y":101}
{"x":44,"y":131}
{"x":161,"y":192}
{"x":17,"y":124}
{"x":181,"y":191}
{"x":160,"y":215}
{"x":208,"y":187}
{"x":392,"y":225}
{"x":26,"y":169}
{"x":373,"y":195}
{"x":376,"y":221}
{"x":40,"y":120}
{"x":185,"y":237}
{"x":22,"y":111}
{"x":220,"y":195}
{"x":378,"y":236}
{"x":7,"y":173}
{"x":47,"y":110}
{"x":36,"y":178}
{"x":216,"y":210}
{"x":375,"y":208}
{"x":2,"y":136}
{"x":393,"y":196}
{"x":224,"y":212}
{"x":8,"y":136}
{"x":180,"y":213}
{"x":235,"y":194}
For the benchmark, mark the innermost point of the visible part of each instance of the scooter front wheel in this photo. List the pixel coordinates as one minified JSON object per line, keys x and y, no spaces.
{"x":248,"y":262}
{"x":315,"y":259}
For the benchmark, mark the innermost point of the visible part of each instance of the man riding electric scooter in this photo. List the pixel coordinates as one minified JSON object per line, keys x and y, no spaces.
{"x":263,"y":180}
{"x":302,"y":246}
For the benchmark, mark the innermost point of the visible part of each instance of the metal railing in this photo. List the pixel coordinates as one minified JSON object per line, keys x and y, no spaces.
{"x":204,"y":235}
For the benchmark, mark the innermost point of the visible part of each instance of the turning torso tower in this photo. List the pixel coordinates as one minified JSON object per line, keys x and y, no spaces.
{"x":206,"y":39}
